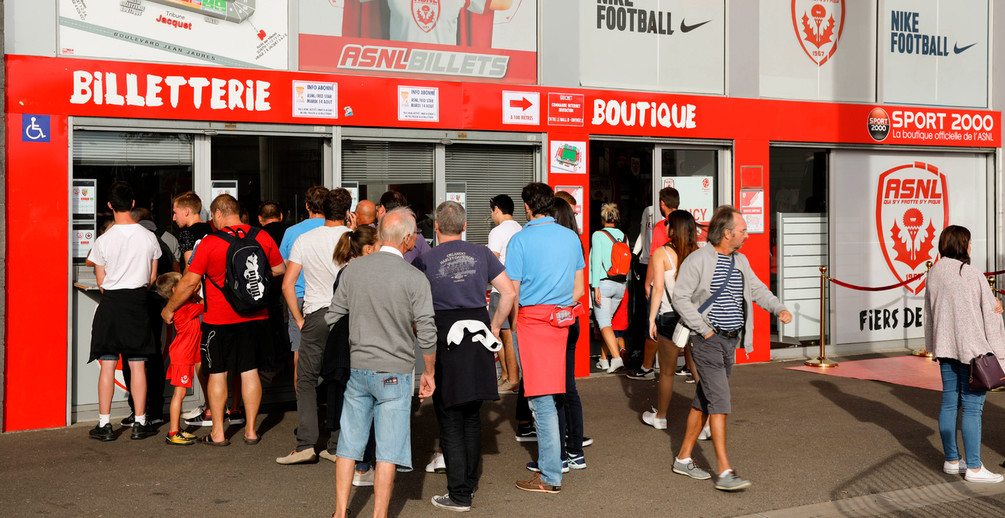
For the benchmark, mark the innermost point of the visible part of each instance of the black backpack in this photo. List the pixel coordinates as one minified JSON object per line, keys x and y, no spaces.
{"x":248,"y":277}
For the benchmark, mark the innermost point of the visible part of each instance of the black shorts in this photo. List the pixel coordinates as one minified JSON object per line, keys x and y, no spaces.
{"x":235,"y":347}
{"x":121,"y":325}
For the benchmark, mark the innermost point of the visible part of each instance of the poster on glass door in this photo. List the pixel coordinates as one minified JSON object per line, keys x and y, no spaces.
{"x":230,"y":33}
{"x":696,"y":195}
{"x":888,"y":211}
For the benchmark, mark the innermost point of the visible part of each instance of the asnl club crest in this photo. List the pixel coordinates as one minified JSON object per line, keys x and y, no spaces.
{"x":818,"y":25}
{"x":426,"y":13}
{"x":912,"y":208}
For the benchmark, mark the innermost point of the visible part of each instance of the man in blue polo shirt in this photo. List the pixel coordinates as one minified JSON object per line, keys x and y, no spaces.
{"x":315,"y":201}
{"x":545,"y":263}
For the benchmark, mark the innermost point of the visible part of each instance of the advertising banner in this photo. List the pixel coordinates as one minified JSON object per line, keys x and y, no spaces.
{"x":820,"y":49}
{"x":888,"y":236}
{"x":934,"y":52}
{"x":618,"y":42}
{"x":232,"y":33}
{"x":470,"y":40}
{"x":163,"y":91}
{"x":696,"y":195}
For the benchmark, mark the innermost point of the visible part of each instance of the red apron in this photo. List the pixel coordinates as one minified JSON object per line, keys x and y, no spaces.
{"x":542,"y":351}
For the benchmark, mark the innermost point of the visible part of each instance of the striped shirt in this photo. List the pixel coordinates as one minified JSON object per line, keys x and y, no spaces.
{"x":727,"y":310}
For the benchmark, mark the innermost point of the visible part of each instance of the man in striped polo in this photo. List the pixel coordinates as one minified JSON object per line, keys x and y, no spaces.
{"x":713,"y":294}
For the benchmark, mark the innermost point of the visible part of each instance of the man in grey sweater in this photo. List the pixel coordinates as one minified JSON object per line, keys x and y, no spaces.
{"x":385,"y":297}
{"x":713,"y":294}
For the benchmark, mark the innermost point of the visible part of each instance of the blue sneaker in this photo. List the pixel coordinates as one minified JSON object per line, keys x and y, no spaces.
{"x":576,"y":462}
{"x":532,"y":466}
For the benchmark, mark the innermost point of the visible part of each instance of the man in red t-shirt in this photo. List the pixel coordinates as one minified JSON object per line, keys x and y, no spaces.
{"x":230,"y":341}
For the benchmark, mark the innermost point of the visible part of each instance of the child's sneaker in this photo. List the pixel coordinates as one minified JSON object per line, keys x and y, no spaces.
{"x":180,"y":439}
{"x":235,"y":416}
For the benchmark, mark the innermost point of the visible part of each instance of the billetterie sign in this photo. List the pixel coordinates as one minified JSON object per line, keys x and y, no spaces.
{"x":111,"y":88}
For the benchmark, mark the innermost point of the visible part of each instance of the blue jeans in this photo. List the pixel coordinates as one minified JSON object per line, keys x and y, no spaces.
{"x":956,"y":393}
{"x":385,"y":399}
{"x":549,"y":444}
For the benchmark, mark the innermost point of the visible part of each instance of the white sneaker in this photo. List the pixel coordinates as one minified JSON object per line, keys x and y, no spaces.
{"x":955,"y":468}
{"x":982,"y":475}
{"x":362,"y":479}
{"x":616,"y":364}
{"x":437,"y":465}
{"x":194,"y":412}
{"x":706,"y":434}
{"x":649,"y":418}
{"x":603,"y":365}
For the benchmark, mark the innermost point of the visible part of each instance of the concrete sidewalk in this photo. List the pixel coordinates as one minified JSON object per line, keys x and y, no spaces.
{"x":812,"y":445}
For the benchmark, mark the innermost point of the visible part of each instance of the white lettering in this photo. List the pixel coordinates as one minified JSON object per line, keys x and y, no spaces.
{"x":598,"y":112}
{"x":261,"y":94}
{"x":132,"y":96}
{"x":81,"y":87}
{"x":173,"y":83}
{"x":216,"y":101}
{"x":154,"y":90}
{"x":197,"y":84}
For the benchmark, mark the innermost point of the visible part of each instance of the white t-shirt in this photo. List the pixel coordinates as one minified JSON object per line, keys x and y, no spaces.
{"x":127,"y":253}
{"x":313,"y":251}
{"x":499,"y":237}
{"x":428,"y":21}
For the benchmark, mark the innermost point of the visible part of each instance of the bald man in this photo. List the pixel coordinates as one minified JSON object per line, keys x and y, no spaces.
{"x":366,"y":213}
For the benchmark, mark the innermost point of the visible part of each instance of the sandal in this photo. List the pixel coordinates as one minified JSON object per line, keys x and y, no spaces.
{"x":208,"y":441}
{"x":252,"y":442}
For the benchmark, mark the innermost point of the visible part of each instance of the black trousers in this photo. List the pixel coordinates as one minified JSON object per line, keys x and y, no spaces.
{"x":461,"y":442}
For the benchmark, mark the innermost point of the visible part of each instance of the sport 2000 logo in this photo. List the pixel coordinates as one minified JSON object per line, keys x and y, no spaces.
{"x":912,"y":207}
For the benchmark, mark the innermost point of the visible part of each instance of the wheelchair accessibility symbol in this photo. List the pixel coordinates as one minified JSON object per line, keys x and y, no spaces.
{"x":34,"y":128}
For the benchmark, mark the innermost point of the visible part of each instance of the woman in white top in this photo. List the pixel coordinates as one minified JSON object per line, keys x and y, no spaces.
{"x":682,"y":230}
{"x":962,"y":321}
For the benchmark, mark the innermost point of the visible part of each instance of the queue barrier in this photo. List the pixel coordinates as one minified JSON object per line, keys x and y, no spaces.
{"x":822,"y":360}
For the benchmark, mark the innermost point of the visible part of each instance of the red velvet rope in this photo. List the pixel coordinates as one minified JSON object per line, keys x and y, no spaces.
{"x":999,"y":272}
{"x":881,"y":288}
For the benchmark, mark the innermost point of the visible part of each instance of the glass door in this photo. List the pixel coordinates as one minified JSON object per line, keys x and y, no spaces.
{"x":695,"y":173}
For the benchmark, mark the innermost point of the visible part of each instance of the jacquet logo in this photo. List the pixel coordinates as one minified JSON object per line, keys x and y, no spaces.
{"x":818,"y":25}
{"x":912,"y":206}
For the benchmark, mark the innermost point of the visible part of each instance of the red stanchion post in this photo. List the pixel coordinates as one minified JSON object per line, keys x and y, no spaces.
{"x":822,"y":361}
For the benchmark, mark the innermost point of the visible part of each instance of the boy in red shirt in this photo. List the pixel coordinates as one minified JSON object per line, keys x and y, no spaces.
{"x":184,"y":353}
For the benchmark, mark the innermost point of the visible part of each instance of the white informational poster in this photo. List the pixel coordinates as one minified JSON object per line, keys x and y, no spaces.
{"x":418,"y":103}
{"x":314,"y":99}
{"x":752,"y":209}
{"x":84,"y":199}
{"x":696,"y":195}
{"x":229,"y":33}
{"x":619,"y":39}
{"x":83,"y":240}
{"x":934,"y":52}
{"x":568,"y":157}
{"x":223,"y":187}
{"x":887,"y":212}
{"x":818,"y":50}
{"x":353,"y":188}
{"x":521,"y":107}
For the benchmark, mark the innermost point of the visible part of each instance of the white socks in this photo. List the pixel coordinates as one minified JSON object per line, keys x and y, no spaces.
{"x":616,"y":364}
{"x":104,"y":419}
{"x":141,"y":419}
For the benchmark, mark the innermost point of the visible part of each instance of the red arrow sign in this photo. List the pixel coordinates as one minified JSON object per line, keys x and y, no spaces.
{"x":523,"y":103}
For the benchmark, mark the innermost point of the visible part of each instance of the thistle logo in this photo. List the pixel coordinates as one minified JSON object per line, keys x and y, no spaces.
{"x":818,"y":25}
{"x":911,"y":208}
{"x":426,"y":13}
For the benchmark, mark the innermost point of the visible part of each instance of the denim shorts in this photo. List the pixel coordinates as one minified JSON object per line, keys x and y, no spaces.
{"x":611,"y":294}
{"x":115,"y":358}
{"x":386,"y":399}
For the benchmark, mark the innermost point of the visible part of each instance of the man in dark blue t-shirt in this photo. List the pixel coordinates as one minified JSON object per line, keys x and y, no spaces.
{"x":458,"y":274}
